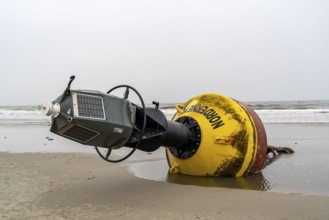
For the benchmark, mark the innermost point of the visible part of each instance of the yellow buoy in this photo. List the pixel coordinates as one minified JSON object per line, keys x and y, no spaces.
{"x":210,"y":135}
{"x":232,"y":138}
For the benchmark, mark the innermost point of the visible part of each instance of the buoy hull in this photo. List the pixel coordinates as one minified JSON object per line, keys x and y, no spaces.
{"x":260,"y":158}
{"x":232,"y":143}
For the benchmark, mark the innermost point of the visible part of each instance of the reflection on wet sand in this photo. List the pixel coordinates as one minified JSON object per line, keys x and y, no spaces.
{"x":158,"y":170}
{"x":251,"y":182}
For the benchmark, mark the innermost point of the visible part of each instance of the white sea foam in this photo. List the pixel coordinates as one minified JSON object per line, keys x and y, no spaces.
{"x":294,"y":116}
{"x":25,"y":115}
{"x":282,"y":116}
{"x":266,"y":115}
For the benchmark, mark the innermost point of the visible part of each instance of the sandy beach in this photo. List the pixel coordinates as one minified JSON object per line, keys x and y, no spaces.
{"x":80,"y":186}
{"x":68,"y":185}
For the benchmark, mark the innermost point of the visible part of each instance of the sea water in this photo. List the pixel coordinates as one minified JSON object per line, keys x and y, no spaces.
{"x":269,"y":112}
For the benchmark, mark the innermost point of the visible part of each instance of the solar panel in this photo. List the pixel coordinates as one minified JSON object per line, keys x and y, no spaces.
{"x":80,"y":133}
{"x":90,"y":106}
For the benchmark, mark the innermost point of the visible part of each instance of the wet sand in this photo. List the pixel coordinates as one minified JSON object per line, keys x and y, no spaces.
{"x":82,"y":186}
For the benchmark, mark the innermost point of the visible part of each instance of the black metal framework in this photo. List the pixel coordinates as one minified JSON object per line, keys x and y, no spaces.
{"x":109,"y":150}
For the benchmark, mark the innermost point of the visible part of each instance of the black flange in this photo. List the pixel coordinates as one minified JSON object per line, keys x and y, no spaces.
{"x":193,"y":142}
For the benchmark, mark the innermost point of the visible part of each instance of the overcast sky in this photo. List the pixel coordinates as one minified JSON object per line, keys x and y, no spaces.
{"x":250,"y":50}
